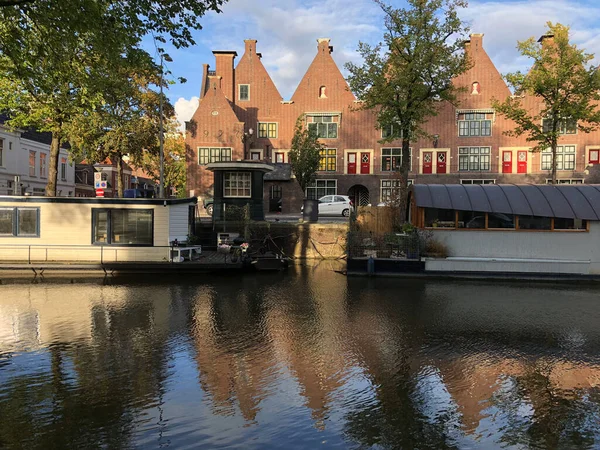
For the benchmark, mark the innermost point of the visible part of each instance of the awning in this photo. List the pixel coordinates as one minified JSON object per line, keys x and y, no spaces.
{"x":580,"y":201}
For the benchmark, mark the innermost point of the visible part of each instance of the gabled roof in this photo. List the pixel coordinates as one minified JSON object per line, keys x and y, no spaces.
{"x":547,"y":200}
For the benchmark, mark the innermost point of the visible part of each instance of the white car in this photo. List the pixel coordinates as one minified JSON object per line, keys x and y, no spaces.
{"x":335,"y":205}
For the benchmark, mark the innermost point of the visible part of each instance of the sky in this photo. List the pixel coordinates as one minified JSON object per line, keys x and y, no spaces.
{"x":287,"y":32}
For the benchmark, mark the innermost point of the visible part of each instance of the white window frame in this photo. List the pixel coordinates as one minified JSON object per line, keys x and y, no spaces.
{"x":546,"y":158}
{"x":391,"y":128}
{"x":477,"y":181}
{"x":566,"y":181}
{"x":32,"y":172}
{"x":1,"y":152}
{"x":326,"y":184}
{"x":562,"y":127}
{"x":467,"y":120}
{"x":470,"y":154}
{"x":212,"y":156}
{"x":240,"y":93}
{"x":392,"y":155}
{"x":311,"y":119}
{"x":267,"y":135}
{"x":237,"y":191}
{"x":260,"y":152}
{"x":63,"y":168}
{"x":44,"y":166}
{"x":389,"y":185}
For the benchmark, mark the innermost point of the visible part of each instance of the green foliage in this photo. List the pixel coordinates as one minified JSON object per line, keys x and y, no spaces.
{"x":565,"y":83}
{"x":305,"y":154}
{"x":404,"y":79}
{"x":64,"y":63}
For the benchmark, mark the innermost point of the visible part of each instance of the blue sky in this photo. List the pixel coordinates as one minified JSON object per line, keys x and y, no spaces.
{"x":287,"y":30}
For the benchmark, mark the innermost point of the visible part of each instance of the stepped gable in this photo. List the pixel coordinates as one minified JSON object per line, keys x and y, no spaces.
{"x":323,"y":88}
{"x":482,"y":81}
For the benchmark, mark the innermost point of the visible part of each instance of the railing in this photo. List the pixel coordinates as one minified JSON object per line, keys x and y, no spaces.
{"x":101,"y":254}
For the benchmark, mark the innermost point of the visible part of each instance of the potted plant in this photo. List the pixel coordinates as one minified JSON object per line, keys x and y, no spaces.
{"x":305,"y":156}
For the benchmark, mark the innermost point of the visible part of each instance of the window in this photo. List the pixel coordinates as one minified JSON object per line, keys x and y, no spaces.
{"x":319,"y":188}
{"x":474,"y":124}
{"x":21,"y":222}
{"x":279,"y":157}
{"x":440,"y":218}
{"x":209,"y":155}
{"x":236,"y":184}
{"x":569,"y":224}
{"x":388,"y":131}
{"x":63,"y":169}
{"x":390,"y":190}
{"x":535,"y":223}
{"x":123,"y":227}
{"x":323,"y":92}
{"x":1,"y":150}
{"x":594,"y":156}
{"x":244,"y":92}
{"x":565,"y":158}
{"x":566,"y":181}
{"x":43,"y":165}
{"x":328,"y":160}
{"x":326,"y":127}
{"x":474,"y":159}
{"x":565,"y":126}
{"x":477,"y":181}
{"x":267,"y":130}
{"x":391,"y":159}
{"x":31,"y":163}
{"x":276,"y":191}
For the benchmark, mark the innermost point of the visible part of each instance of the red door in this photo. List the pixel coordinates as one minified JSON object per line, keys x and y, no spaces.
{"x":427,"y":162}
{"x":522,"y":162}
{"x":441,"y":162}
{"x":365,"y":163}
{"x":351,"y":162}
{"x":507,"y":162}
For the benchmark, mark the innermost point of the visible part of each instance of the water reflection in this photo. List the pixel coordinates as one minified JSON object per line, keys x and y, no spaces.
{"x":298,"y":360}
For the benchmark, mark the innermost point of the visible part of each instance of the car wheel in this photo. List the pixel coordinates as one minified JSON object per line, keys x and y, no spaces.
{"x":209,"y":210}
{"x":346,"y":212}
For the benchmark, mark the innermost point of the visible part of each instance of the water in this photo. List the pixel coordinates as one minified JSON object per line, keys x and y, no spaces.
{"x":306,"y":359}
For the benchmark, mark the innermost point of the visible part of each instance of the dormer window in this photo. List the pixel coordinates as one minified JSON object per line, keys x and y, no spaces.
{"x":323,"y":92}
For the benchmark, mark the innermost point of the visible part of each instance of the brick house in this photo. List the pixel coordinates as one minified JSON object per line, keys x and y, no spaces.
{"x":468,"y":144}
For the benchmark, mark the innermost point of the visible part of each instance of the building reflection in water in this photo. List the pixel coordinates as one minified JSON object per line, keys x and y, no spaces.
{"x":305,"y":358}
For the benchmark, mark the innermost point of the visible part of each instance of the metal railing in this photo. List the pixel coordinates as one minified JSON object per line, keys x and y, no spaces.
{"x":389,"y":245}
{"x":102,"y":254}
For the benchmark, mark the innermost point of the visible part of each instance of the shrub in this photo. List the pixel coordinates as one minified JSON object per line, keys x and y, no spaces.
{"x":433,"y":247}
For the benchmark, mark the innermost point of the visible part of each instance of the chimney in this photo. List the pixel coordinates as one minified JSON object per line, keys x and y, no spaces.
{"x":225,"y":70}
{"x":323,"y":46}
{"x":251,"y":47}
{"x":476,"y":41}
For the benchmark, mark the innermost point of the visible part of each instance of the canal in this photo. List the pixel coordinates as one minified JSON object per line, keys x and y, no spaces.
{"x":303,"y":359}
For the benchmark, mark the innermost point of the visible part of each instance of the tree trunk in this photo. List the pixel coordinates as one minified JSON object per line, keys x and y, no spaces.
{"x":119,"y":175}
{"x":53,"y":166}
{"x":554,"y":163}
{"x":404,"y":177}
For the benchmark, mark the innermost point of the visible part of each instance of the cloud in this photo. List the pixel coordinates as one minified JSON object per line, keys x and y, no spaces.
{"x":287,"y":31}
{"x":184,"y":110}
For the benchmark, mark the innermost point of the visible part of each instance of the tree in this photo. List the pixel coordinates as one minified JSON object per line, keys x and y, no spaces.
{"x":53,"y":55}
{"x":305,"y":154}
{"x":566,"y":86}
{"x":127,"y":123}
{"x":404,"y":79}
{"x":174,"y":160}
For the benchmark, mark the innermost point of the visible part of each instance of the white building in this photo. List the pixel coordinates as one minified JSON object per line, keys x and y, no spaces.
{"x":24,"y":162}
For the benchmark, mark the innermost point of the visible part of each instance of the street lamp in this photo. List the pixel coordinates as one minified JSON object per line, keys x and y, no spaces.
{"x":161,"y":191}
{"x":245,"y":138}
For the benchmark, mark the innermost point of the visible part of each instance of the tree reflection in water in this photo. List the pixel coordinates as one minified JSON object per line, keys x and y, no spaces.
{"x":298,"y":360}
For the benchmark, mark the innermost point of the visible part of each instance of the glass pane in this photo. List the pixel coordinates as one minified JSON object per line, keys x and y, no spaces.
{"x":6,"y":221}
{"x":332,"y":130}
{"x":131,"y":227}
{"x":100,"y":227}
{"x":497,"y":220}
{"x":569,"y":224}
{"x":534,"y":223}
{"x":471,"y":219}
{"x":439,"y":218}
{"x":28,"y":219}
